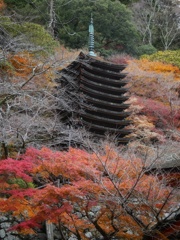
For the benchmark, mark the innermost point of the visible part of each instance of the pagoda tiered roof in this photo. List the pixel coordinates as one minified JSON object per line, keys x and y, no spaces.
{"x":102,"y":95}
{"x":107,"y":65}
{"x":114,"y":114}
{"x":105,"y":80}
{"x":103,"y":87}
{"x":103,"y":108}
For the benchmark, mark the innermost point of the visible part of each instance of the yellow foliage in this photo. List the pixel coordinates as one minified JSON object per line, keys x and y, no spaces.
{"x":159,"y":67}
{"x":26,"y":231}
{"x":151,"y":80}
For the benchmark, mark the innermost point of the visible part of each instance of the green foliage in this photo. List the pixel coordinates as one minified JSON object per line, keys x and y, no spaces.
{"x":38,"y":35}
{"x":38,"y":10}
{"x":18,"y":3}
{"x":112,"y":21}
{"x":126,"y":2}
{"x":146,"y":49}
{"x":170,"y":57}
{"x":104,"y":52}
{"x":114,"y":29}
{"x":4,"y":64}
{"x":31,"y":33}
{"x":21,"y":183}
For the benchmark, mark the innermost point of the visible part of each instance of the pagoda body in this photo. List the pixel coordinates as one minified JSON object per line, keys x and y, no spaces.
{"x":99,"y":94}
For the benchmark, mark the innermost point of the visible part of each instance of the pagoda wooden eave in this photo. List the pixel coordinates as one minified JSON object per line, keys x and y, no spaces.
{"x":70,"y":72}
{"x":108,"y":104}
{"x":108,"y":129}
{"x":101,"y":86}
{"x":110,"y":112}
{"x":103,"y":72}
{"x":101,"y":64}
{"x":105,"y":80}
{"x":108,"y":65}
{"x":100,"y":95}
{"x":106,"y":120}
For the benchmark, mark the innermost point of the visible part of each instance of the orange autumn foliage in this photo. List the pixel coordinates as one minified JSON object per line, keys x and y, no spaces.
{"x":41,"y":70}
{"x":156,"y":88}
{"x":159,"y":67}
{"x":153,"y":80}
{"x":22,"y":65}
{"x":2,"y":5}
{"x":105,"y":193}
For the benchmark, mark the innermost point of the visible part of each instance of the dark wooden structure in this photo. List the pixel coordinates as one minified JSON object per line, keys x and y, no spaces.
{"x":99,"y":95}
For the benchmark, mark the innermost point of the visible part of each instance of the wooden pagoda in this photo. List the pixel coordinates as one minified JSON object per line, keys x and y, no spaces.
{"x":97,"y":90}
{"x":99,"y":94}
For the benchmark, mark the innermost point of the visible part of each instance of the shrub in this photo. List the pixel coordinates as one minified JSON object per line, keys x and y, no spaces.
{"x":146,"y":49}
{"x":38,"y":36}
{"x":21,"y":183}
{"x":27,"y":35}
{"x":162,"y":115}
{"x":170,"y":57}
{"x":5,"y":64}
{"x":21,"y":64}
{"x":158,"y":66}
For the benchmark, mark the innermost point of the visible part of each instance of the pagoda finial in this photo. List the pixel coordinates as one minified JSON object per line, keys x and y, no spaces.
{"x":91,"y":38}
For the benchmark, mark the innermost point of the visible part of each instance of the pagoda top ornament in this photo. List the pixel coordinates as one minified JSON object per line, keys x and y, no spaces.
{"x":91,"y":38}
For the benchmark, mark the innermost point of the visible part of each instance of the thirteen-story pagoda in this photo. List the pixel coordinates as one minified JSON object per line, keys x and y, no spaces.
{"x":101,"y":94}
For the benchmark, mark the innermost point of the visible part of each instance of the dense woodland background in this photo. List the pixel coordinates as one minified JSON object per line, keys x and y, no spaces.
{"x":97,"y":189}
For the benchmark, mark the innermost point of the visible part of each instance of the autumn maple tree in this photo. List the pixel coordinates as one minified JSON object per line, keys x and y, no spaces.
{"x":77,"y":190}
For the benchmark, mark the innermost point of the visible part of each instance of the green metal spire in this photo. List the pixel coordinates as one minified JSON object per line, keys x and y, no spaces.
{"x":91,"y":38}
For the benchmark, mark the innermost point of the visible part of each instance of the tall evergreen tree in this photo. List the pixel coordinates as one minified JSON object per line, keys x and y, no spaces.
{"x":114,"y":30}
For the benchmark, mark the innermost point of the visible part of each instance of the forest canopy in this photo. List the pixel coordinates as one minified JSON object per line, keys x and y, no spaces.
{"x":120,"y":26}
{"x":114,"y":29}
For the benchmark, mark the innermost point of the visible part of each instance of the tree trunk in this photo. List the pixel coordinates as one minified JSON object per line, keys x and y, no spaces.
{"x":49,"y":231}
{"x":51,"y":17}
